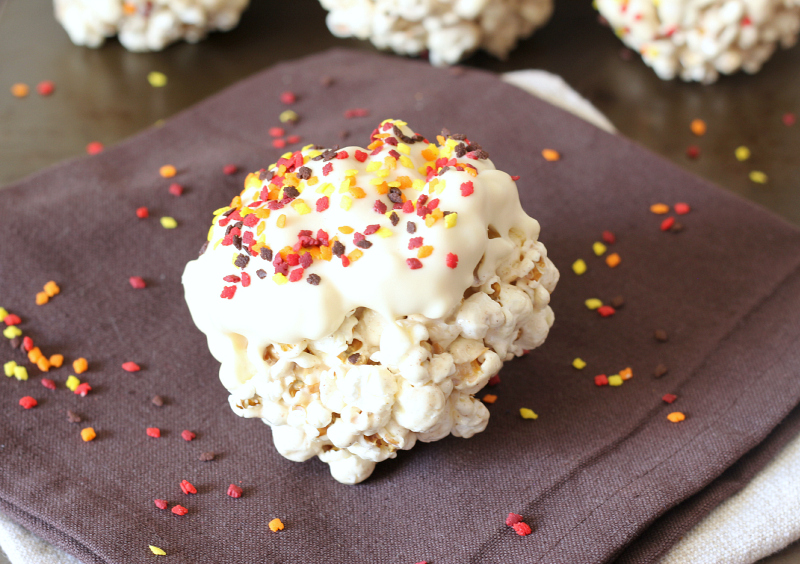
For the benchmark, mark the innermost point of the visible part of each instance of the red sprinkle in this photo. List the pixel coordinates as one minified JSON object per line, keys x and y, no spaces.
{"x":296,"y":274}
{"x":175,"y":189}
{"x":693,"y":151}
{"x":326,"y":170}
{"x":288,"y":98}
{"x":27,"y":343}
{"x":413,"y":263}
{"x":276,"y":132}
{"x":94,"y":148}
{"x":667,"y":223}
{"x":154,"y":432}
{"x":601,"y":380}
{"x":48,"y":383}
{"x":494,"y":380}
{"x":323,"y":203}
{"x":414,"y":243}
{"x":606,"y":311}
{"x":522,"y":529}
{"x":160,"y":503}
{"x":515,"y":178}
{"x":12,"y":319}
{"x":46,"y":87}
{"x":292,"y":139}
{"x":451,"y":260}
{"x":187,"y":435}
{"x":609,"y":237}
{"x":137,"y":282}
{"x":234,"y":491}
{"x":245,"y":280}
{"x":513,"y":519}
{"x":130,"y":367}
{"x":467,"y":188}
{"x":180,"y":510}
{"x":356,"y":112}
{"x":28,"y":402}
{"x":789,"y":119}
{"x":228,"y":292}
{"x":230,"y":169}
{"x":669,"y":398}
{"x":345,"y":261}
{"x":341,"y":155}
{"x":142,"y":213}
{"x":682,"y":208}
{"x":279,"y":143}
{"x":361,"y":156}
{"x":188,"y":488}
{"x":231,"y":278}
{"x":83,"y":389}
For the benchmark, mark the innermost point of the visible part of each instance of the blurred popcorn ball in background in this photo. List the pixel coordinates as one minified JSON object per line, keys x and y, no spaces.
{"x":146,"y":25}
{"x":448,"y":29}
{"x":698,"y":39}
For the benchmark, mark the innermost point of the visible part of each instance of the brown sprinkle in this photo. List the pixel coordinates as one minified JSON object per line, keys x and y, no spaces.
{"x":661,"y":369}
{"x":661,"y":336}
{"x":207,"y":456}
{"x":354,"y":358}
{"x":618,"y":302}
{"x":157,"y":401}
{"x":73,"y":417}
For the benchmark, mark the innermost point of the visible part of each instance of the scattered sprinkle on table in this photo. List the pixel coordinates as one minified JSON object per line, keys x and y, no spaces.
{"x":579,"y":364}
{"x":579,"y":267}
{"x":276,"y":525}
{"x":667,"y":224}
{"x":676,"y":417}
{"x":187,"y":487}
{"x":130,"y":367}
{"x":522,"y":529}
{"x":742,"y":153}
{"x":788,"y":119}
{"x":73,"y":417}
{"x":599,"y":248}
{"x":157,"y":551}
{"x":551,"y":155}
{"x":94,"y":148}
{"x":51,"y":289}
{"x":142,"y":213}
{"x":617,"y":302}
{"x":48,"y":383}
{"x":698,"y":127}
{"x":230,"y":169}
{"x":28,"y":402}
{"x":669,"y":398}
{"x":187,"y":435}
{"x":72,"y":383}
{"x":615,"y":380}
{"x":158,"y":401}
{"x":758,"y":177}
{"x":288,"y":97}
{"x":660,"y":370}
{"x":168,"y":222}
{"x":609,"y":238}
{"x":489,"y":398}
{"x":206,"y":456}
{"x":606,"y":311}
{"x":88,"y":434}
{"x":175,"y":189}
{"x":513,"y":518}
{"x":153,"y":432}
{"x":42,"y":298}
{"x":494,"y":380}
{"x":593,"y":303}
{"x":157,"y":79}
{"x":160,"y":503}
{"x":46,"y":87}
{"x":659,"y":209}
{"x":692,"y":151}
{"x":80,"y":365}
{"x":661,"y":335}
{"x":234,"y":491}
{"x":626,"y":373}
{"x":682,"y":208}
{"x":288,"y":116}
{"x":20,"y":90}
{"x":613,"y":260}
{"x":82,"y":389}
{"x":167,"y":171}
{"x":527,"y":413}
{"x":137,"y":282}
{"x":601,"y":380}
{"x":180,"y":510}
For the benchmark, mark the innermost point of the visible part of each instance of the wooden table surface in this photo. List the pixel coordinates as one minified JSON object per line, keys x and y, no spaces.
{"x":103,"y":94}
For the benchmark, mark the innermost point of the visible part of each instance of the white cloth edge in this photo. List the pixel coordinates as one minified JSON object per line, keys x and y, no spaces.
{"x":760,"y":520}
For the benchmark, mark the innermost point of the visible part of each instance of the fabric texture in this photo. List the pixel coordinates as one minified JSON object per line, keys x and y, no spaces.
{"x":595,"y":469}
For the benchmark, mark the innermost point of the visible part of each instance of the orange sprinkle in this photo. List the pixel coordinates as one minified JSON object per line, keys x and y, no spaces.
{"x":430,"y":220}
{"x":42,"y":298}
{"x":80,"y":366}
{"x":51,"y":289}
{"x":698,"y":127}
{"x":551,"y":155}
{"x":281,"y":221}
{"x":676,"y":417}
{"x":659,"y":209}
{"x":34,"y":354}
{"x":325,"y":253}
{"x":43,"y":364}
{"x":424,"y":251}
{"x":168,"y":171}
{"x":57,"y":360}
{"x":88,"y":434}
{"x":613,"y":260}
{"x":20,"y":90}
{"x":382,"y":188}
{"x":489,"y":398}
{"x":355,"y":255}
{"x":275,"y":525}
{"x":626,"y":374}
{"x":428,"y":155}
{"x":346,"y":229}
{"x":357,"y":192}
{"x":128,"y":8}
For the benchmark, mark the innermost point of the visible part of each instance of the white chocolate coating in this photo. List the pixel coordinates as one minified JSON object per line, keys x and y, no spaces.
{"x":378,"y":354}
{"x":448,"y":29}
{"x":698,"y":39}
{"x":146,"y":25}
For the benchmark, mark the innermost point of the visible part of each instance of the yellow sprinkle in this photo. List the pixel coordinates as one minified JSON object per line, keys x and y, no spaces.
{"x":275,"y":525}
{"x":88,"y":434}
{"x":676,"y":417}
{"x":403,"y":148}
{"x":527,"y":413}
{"x":579,"y":267}
{"x":615,"y":380}
{"x":279,"y":279}
{"x":168,"y":222}
{"x":289,"y":116}
{"x":346,"y":229}
{"x":351,"y":172}
{"x":659,"y":209}
{"x":221,"y":210}
{"x":157,"y":79}
{"x":12,"y":331}
{"x":430,"y":220}
{"x":260,"y":228}
{"x":252,"y":181}
{"x":551,"y":155}
{"x":346,"y":202}
{"x":383,"y":173}
{"x":157,"y":551}
{"x":377,"y":181}
{"x":373,"y":166}
{"x":355,"y":255}
{"x":424,"y":251}
{"x":72,"y":383}
{"x":9,"y":367}
{"x":21,"y":373}
{"x":598,"y":248}
{"x":450,"y":220}
{"x":758,"y":177}
{"x":698,"y":127}
{"x":300,"y":207}
{"x":262,"y":213}
{"x":281,"y":223}
{"x":384,"y":232}
{"x":579,"y":364}
{"x":283,"y":167}
{"x":406,"y":162}
{"x":3,"y":313}
{"x":593,"y":303}
{"x":742,"y":153}
{"x":210,"y":233}
{"x":418,"y":184}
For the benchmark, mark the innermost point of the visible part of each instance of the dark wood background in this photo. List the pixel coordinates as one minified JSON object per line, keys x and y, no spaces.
{"x":103,"y":95}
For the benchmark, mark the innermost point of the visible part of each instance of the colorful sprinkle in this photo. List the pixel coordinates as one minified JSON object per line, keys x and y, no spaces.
{"x":48,"y":383}
{"x":276,"y":525}
{"x":142,"y":213}
{"x":513,"y":519}
{"x":168,"y":222}
{"x":187,"y":487}
{"x":692,"y":151}
{"x":698,"y":127}
{"x":527,"y":413}
{"x":579,"y":364}
{"x":46,"y":87}
{"x":601,"y":380}
{"x":615,"y":380}
{"x":659,"y":209}
{"x":72,"y":383}
{"x":230,"y":169}
{"x":758,"y":177}
{"x":20,"y":90}
{"x":153,"y":432}
{"x":599,"y":248}
{"x":613,"y":260}
{"x":80,"y":365}
{"x":593,"y":303}
{"x":42,"y":298}
{"x":669,"y":398}
{"x":579,"y":267}
{"x":551,"y":155}
{"x":167,"y":171}
{"x":160,"y":503}
{"x":609,"y":238}
{"x":742,"y":153}
{"x":82,"y":389}
{"x":94,"y":148}
{"x":522,"y":529}
{"x":788,"y":119}
{"x":288,"y":97}
{"x":489,"y":398}
{"x":180,"y":510}
{"x":667,"y":224}
{"x":28,"y":402}
{"x":289,"y":116}
{"x":682,"y":208}
{"x":137,"y":282}
{"x":88,"y":434}
{"x":157,"y":551}
{"x":130,"y":367}
{"x":234,"y":491}
{"x":606,"y":311}
{"x":626,"y":374}
{"x":157,"y":79}
{"x":676,"y":417}
{"x":51,"y":289}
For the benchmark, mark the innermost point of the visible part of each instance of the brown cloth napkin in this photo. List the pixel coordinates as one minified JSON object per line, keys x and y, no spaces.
{"x":589,"y":475}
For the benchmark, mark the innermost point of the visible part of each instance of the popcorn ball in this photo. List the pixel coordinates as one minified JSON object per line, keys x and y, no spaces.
{"x":358,"y":298}
{"x":698,"y":39}
{"x":448,"y":29}
{"x":146,"y":25}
